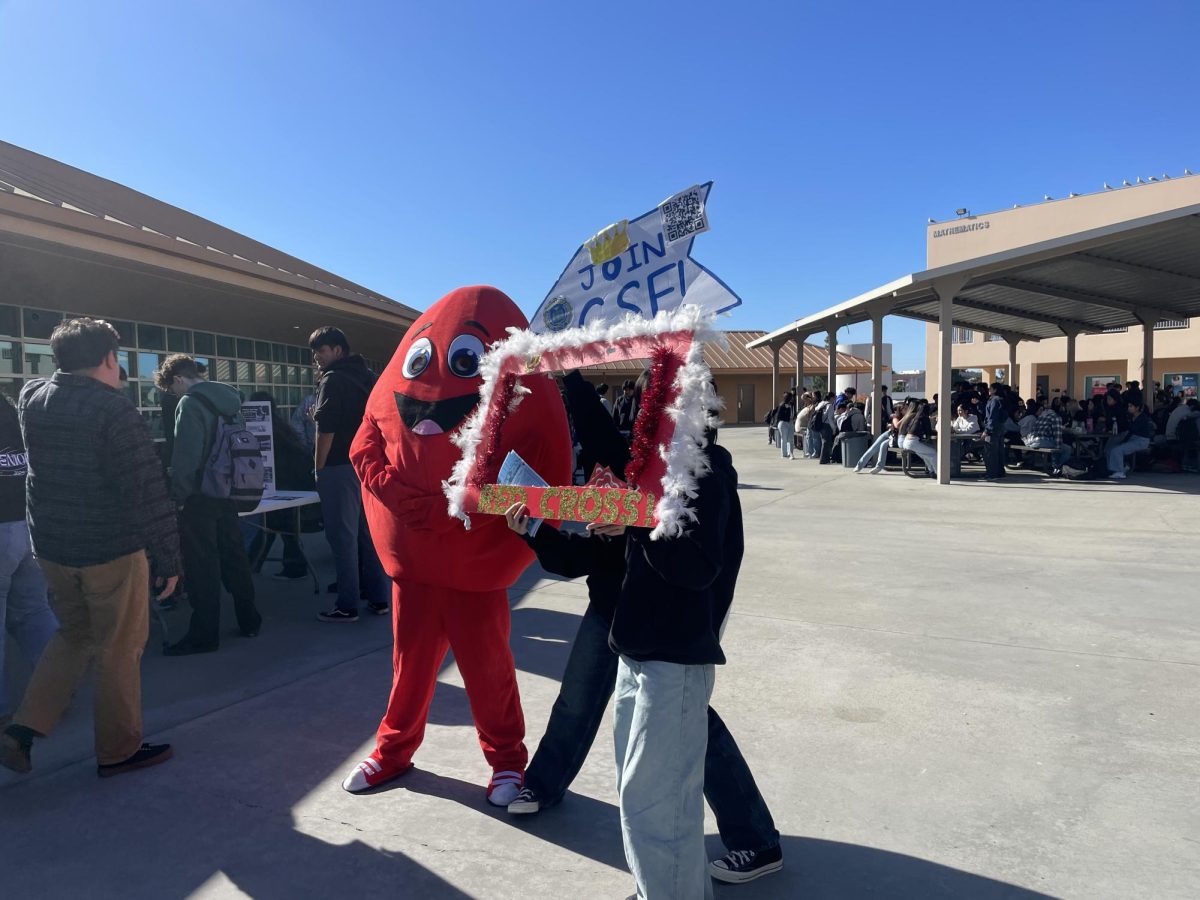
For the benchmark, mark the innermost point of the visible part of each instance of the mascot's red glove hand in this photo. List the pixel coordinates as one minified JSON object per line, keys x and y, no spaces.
{"x":426,"y":512}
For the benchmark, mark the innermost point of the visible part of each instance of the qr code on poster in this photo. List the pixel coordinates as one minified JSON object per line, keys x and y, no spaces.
{"x":683,"y":215}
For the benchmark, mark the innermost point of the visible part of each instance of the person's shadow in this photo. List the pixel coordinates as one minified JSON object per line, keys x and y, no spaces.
{"x":830,"y":870}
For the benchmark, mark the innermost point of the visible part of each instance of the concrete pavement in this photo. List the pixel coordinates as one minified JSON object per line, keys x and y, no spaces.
{"x":1005,"y":707}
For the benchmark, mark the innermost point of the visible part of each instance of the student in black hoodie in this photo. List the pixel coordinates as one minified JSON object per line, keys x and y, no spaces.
{"x":24,"y":605}
{"x":744,"y":822}
{"x":343,"y":387}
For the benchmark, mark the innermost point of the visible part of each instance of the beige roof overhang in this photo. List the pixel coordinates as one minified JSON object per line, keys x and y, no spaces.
{"x":1109,"y":277}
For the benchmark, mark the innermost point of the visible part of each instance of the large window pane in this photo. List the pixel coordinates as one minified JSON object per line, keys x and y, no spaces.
{"x":308,"y":375}
{"x":151,"y":337}
{"x":125,"y":330}
{"x":262,"y":374}
{"x":150,"y":395}
{"x":262,"y":350}
{"x":147,"y":364}
{"x":10,"y":321}
{"x":204,"y":343}
{"x":40,"y":322}
{"x":278,"y":353}
{"x":10,"y":357}
{"x":38,"y":360}
{"x":226,"y":346}
{"x":277,"y":374}
{"x":245,"y":348}
{"x":245,"y":371}
{"x":179,"y":340}
{"x":124,"y":358}
{"x":294,"y":355}
{"x":224,"y":370}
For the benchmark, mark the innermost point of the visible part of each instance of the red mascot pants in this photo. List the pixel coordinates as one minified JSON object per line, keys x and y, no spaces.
{"x":426,"y":620}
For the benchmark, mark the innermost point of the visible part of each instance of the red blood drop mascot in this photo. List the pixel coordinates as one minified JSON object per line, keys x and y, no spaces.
{"x":450,"y":583}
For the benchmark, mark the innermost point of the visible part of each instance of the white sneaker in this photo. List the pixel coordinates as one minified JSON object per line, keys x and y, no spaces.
{"x":505,"y":787}
{"x":1117,"y":476}
{"x":877,"y":470}
{"x":858,"y":470}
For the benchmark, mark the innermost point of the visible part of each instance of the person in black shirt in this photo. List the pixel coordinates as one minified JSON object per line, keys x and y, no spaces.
{"x":785,"y":423}
{"x":626,"y":408}
{"x":25,"y":613}
{"x":343,"y":387}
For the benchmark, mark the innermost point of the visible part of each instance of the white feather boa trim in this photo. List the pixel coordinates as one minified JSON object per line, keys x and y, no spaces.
{"x":694,"y":410}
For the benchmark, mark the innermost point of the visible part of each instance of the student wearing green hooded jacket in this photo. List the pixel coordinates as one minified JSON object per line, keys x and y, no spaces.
{"x":213,"y":550}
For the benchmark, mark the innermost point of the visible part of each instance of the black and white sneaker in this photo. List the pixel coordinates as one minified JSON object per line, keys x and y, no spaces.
{"x":338,"y":615}
{"x":740,"y":866}
{"x":527,"y":803}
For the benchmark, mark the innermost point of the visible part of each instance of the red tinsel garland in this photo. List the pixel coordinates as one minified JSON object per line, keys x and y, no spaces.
{"x":487,"y":466}
{"x":659,"y":393}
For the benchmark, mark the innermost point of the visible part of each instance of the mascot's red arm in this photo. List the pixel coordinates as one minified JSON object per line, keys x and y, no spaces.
{"x":403,"y":452}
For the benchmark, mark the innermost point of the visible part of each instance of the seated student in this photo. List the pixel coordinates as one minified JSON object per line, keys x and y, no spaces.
{"x":915,"y":431}
{"x":1141,"y":430}
{"x":1180,"y":412}
{"x":886,"y":439}
{"x":966,"y":422}
{"x":850,"y":420}
{"x":1027,"y":415}
{"x":1047,"y":435}
{"x":803,"y":421}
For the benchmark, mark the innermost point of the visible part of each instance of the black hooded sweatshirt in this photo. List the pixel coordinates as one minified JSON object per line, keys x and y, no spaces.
{"x":677,"y":591}
{"x":342,"y":392}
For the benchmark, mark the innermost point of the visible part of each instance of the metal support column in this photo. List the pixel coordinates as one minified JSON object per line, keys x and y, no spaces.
{"x":831,"y":374}
{"x":1013,"y":377}
{"x":1148,"y":320}
{"x":774,"y":376}
{"x":1070,"y":388}
{"x":946,"y":289}
{"x":873,"y":423}
{"x":799,"y":367}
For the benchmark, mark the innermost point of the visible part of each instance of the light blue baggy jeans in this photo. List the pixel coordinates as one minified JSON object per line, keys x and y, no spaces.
{"x":660,"y":729}
{"x":787,"y":438}
{"x":1131,"y":445}
{"x":927,"y":452}
{"x":24,"y":606}
{"x":878,"y":449}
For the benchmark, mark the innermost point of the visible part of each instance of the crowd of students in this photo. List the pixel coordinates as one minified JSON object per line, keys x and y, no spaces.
{"x":98,"y":517}
{"x":110,"y":528}
{"x":1002,"y":420}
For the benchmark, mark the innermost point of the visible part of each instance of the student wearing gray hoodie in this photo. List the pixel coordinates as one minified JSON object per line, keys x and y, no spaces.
{"x":213,"y":550}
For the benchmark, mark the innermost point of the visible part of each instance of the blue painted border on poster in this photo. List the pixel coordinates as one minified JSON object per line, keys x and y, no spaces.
{"x":707,"y":186}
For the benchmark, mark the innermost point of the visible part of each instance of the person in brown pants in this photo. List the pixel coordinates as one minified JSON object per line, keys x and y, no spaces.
{"x":102,"y":527}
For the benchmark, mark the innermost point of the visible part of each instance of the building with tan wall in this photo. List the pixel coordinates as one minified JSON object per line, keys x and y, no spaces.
{"x":1112,"y":354}
{"x":742,"y":377}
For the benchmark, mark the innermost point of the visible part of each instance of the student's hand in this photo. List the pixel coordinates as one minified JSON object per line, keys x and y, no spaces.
{"x":614,"y":530}
{"x":517,"y":517}
{"x":168,"y":586}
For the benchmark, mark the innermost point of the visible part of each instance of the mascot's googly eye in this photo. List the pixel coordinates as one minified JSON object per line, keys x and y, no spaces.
{"x":464,"y":354}
{"x":417,"y":360}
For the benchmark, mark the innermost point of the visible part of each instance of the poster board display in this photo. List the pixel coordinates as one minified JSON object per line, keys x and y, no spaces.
{"x":257,"y":414}
{"x":1182,"y":384}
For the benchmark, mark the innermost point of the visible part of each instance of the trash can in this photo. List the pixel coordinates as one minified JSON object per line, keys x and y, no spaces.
{"x":853,"y":447}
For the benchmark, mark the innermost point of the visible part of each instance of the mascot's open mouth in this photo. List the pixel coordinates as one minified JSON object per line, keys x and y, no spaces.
{"x":426,"y":417}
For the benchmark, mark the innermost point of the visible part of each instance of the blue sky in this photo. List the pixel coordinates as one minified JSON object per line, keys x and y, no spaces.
{"x":417,"y":147}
